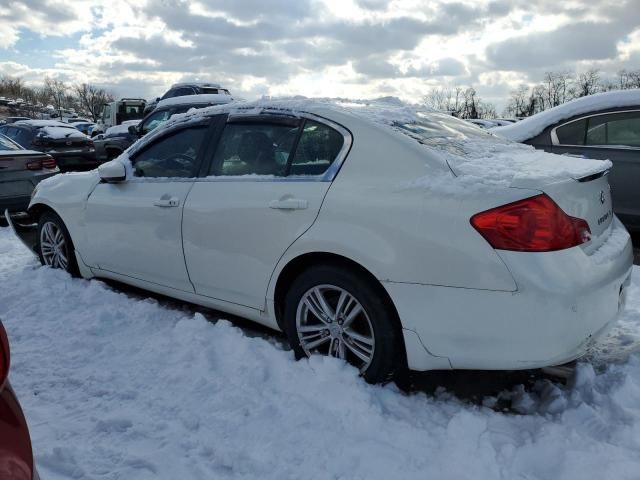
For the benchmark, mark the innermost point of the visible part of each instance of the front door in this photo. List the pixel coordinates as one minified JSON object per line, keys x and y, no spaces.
{"x":135,"y":227}
{"x":266,"y":186}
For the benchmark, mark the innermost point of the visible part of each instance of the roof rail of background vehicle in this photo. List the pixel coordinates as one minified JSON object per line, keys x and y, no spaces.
{"x":531,"y":126}
{"x":132,"y":100}
{"x":197,"y":84}
{"x":199,"y":100}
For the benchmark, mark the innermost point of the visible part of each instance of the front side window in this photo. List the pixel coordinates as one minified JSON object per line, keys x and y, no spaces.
{"x":572,"y":133}
{"x":254,"y":149}
{"x":318,"y":147}
{"x":171,"y":156}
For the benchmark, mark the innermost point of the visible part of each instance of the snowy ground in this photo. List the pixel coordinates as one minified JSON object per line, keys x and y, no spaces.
{"x":116,"y":386}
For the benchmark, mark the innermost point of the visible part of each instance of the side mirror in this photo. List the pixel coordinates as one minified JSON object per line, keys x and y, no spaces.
{"x":112,"y":172}
{"x":133,"y":130}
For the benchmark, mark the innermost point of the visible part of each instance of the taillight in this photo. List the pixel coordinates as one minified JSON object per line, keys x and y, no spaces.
{"x":5,"y":357}
{"x":535,"y":224}
{"x":34,"y":165}
{"x":49,"y":162}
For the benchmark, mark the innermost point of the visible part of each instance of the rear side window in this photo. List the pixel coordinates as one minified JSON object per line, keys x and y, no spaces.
{"x":174,"y":155}
{"x":318,"y":147}
{"x":254,"y":149}
{"x":572,"y":133}
{"x":24,"y":136}
{"x":616,"y":129}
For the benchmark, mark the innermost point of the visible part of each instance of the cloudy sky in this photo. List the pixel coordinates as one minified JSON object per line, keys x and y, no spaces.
{"x":349,"y":48}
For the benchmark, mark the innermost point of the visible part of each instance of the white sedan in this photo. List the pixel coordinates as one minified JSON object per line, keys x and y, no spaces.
{"x":385,"y":236}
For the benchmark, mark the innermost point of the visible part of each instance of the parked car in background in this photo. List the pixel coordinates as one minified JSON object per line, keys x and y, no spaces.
{"x":117,"y":139}
{"x":20,"y":171}
{"x":84,"y":127}
{"x":16,"y":454}
{"x":603,"y":126}
{"x":484,"y":124}
{"x":71,"y":149}
{"x":185,"y":89}
{"x":385,"y":238}
{"x":13,"y":120}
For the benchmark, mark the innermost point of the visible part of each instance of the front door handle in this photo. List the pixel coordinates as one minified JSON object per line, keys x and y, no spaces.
{"x":167,"y":201}
{"x":289,"y":204}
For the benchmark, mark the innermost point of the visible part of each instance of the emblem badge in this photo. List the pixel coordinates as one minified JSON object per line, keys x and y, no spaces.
{"x":602,"y":197}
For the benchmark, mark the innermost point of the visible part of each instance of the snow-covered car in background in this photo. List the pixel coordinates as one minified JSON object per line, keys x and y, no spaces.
{"x":375,"y":233}
{"x":479,"y":122}
{"x":114,"y":141}
{"x":603,"y":126}
{"x":187,"y":89}
{"x":16,"y":455}
{"x":71,"y":149}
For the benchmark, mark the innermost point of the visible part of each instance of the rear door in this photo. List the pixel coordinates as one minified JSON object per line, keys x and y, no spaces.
{"x":135,"y":227}
{"x":266,"y":182}
{"x":612,"y":136}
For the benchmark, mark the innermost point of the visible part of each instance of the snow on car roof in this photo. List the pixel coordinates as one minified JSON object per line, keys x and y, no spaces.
{"x":478,"y":158}
{"x":197,"y":84}
{"x":43,"y":123}
{"x":206,"y":99}
{"x":534,"y":125}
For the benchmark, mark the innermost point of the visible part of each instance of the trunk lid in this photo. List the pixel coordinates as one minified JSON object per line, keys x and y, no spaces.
{"x":17,"y":160}
{"x":588,"y":198}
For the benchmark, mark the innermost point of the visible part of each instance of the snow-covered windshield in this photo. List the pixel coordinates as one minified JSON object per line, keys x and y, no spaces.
{"x":436,"y":125}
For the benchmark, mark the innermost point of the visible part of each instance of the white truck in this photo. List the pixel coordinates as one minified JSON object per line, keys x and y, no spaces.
{"x":114,"y":113}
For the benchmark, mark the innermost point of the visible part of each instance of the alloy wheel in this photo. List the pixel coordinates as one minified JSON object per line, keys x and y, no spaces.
{"x":331,"y":321}
{"x":53,"y":246}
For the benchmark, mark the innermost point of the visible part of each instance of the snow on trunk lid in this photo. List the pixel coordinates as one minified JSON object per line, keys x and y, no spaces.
{"x":589,"y":199}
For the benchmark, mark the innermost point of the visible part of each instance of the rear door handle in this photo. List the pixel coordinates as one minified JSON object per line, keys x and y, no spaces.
{"x":166,"y":202}
{"x":289,"y":204}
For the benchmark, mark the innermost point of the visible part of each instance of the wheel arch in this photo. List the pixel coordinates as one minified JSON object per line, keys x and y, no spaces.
{"x":302,"y":262}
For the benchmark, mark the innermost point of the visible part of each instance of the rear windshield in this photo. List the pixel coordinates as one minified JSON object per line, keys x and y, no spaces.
{"x":6,"y":144}
{"x":433,"y":126}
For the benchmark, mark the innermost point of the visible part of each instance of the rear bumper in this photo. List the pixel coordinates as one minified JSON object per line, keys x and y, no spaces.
{"x":26,"y":229}
{"x":565,"y":301}
{"x":80,"y":160}
{"x":15,"y":194}
{"x":16,"y":456}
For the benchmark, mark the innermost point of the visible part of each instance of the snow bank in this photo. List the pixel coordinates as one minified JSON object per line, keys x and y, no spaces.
{"x":534,"y":125}
{"x":119,"y":386}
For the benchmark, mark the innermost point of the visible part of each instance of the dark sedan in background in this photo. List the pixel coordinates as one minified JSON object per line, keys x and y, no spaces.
{"x":16,"y":455}
{"x":604,"y":126}
{"x":71,"y":149}
{"x":20,"y":171}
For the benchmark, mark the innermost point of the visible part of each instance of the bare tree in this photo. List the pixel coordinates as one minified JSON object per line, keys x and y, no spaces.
{"x":57,"y":92}
{"x":92,"y":99}
{"x":588,"y":83}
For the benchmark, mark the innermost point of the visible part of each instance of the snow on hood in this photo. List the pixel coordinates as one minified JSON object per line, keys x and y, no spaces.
{"x":121,"y":129}
{"x":534,"y":125}
{"x":478,"y":158}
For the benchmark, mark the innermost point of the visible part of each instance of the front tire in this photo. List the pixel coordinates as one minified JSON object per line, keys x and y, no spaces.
{"x":334,"y":311}
{"x":55,"y":247}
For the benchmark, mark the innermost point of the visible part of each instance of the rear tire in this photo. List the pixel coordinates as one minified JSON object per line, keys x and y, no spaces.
{"x":334,"y":311}
{"x":55,"y":247}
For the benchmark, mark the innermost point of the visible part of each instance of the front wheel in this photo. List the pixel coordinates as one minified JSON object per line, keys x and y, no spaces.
{"x":55,"y":245}
{"x":333,"y":311}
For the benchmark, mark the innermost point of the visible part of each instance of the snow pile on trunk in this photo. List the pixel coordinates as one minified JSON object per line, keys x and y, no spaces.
{"x":60,"y":133}
{"x":534,"y":125}
{"x":123,"y":387}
